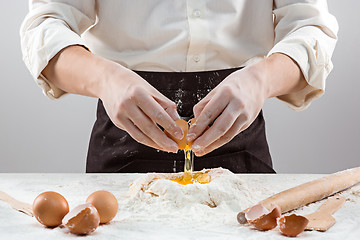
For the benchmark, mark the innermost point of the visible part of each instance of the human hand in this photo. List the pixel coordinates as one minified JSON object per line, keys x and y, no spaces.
{"x":233,"y":104}
{"x":137,"y":107}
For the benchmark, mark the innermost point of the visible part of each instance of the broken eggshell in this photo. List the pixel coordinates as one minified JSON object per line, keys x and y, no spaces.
{"x":261,"y":218}
{"x":183,"y":143}
{"x":292,"y":225}
{"x":180,"y":142}
{"x":82,"y":220}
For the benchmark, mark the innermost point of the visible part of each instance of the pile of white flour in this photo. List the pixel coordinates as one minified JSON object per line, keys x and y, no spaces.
{"x":155,"y":196}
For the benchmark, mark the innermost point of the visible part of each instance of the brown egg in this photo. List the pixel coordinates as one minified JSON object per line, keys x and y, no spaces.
{"x":184,"y":126}
{"x":292,"y":225}
{"x":82,"y":220}
{"x":49,"y":208}
{"x":263,"y":219}
{"x":105,"y":203}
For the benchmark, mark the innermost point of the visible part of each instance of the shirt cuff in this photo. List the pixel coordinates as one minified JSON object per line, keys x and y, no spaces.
{"x":40,"y":45}
{"x":304,"y":47}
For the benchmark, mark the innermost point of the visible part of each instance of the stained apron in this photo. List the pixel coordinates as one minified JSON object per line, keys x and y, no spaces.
{"x":113,"y":150}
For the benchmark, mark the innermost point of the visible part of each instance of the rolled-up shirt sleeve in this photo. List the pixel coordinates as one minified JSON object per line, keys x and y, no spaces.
{"x":49,"y":27}
{"x":306,"y":32}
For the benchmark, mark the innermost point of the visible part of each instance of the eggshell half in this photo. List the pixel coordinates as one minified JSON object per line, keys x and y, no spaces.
{"x":49,"y":208}
{"x":105,"y":203}
{"x":292,"y":225}
{"x":263,"y":219}
{"x":184,"y":126}
{"x":82,"y":220}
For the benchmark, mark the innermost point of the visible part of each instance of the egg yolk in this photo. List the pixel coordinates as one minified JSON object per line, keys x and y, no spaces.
{"x":190,"y":177}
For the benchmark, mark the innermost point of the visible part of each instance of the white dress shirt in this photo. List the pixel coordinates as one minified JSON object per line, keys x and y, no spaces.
{"x":184,"y":36}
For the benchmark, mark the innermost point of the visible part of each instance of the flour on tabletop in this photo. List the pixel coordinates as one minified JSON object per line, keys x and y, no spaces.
{"x":177,"y":212}
{"x":155,"y":196}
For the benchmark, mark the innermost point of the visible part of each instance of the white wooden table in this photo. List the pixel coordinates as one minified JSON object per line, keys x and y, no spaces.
{"x":130,"y":224}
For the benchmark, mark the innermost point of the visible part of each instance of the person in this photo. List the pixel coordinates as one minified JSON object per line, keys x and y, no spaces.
{"x":150,"y":63}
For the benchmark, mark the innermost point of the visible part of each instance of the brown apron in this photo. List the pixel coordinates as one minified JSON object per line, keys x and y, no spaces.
{"x":113,"y":150}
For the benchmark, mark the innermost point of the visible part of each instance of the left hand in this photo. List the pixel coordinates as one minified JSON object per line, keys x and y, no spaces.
{"x":234,"y":104}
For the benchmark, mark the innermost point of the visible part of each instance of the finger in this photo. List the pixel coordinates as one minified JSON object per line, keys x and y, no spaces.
{"x":236,"y":128}
{"x":158,"y":115}
{"x":212,"y":110}
{"x":199,"y":107}
{"x":220,"y":127}
{"x":172,"y":113}
{"x":170,"y":107}
{"x":149,"y":128}
{"x":136,"y":134}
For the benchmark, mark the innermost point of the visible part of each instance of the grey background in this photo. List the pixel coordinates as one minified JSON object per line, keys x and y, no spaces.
{"x":40,"y":135}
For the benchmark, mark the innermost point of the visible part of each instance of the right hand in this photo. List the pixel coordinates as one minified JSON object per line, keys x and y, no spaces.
{"x":136,"y":107}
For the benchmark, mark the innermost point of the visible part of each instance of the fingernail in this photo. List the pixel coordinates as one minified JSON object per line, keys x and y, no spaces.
{"x":195,"y":147}
{"x":190,"y":137}
{"x":179,"y":135}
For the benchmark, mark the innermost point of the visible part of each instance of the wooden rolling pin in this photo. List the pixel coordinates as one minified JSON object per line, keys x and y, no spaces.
{"x":309,"y":192}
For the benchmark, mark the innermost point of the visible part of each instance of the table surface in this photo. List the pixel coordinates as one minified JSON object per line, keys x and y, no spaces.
{"x":132,"y":224}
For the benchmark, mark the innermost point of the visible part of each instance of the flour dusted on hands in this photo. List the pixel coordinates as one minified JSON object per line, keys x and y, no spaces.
{"x":226,"y":194}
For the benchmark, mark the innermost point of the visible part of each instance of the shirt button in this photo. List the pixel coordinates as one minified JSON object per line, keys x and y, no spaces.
{"x":196,"y":13}
{"x":196,"y":58}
